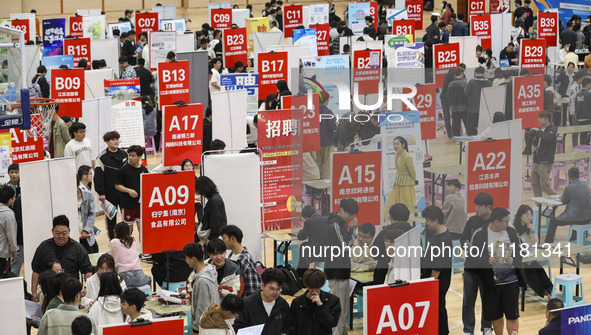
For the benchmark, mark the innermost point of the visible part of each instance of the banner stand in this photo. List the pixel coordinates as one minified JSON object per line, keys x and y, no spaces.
{"x":260,"y":155}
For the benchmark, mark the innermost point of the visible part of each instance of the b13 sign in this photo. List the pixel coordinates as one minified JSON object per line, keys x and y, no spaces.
{"x":173,"y":82}
{"x":292,"y":17}
{"x":480,"y":27}
{"x":424,"y":100}
{"x":405,"y":310}
{"x":147,"y":22}
{"x":77,"y":47}
{"x":272,"y":67}
{"x":235,"y":46}
{"x":445,"y":58}
{"x":67,"y":88}
{"x":548,"y":28}
{"x":528,"y":99}
{"x":182,"y":128}
{"x":476,"y":7}
{"x":168,"y":211}
{"x":76,"y":26}
{"x":489,"y":170}
{"x":414,"y":10}
{"x":403,"y":27}
{"x":221,"y":18}
{"x":532,"y":55}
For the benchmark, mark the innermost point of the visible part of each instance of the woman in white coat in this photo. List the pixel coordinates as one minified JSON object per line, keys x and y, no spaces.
{"x":105,"y":263}
{"x":107,"y":307}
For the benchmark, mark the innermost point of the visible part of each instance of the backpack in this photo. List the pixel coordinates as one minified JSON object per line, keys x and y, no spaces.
{"x":35,"y":90}
{"x":293,"y":282}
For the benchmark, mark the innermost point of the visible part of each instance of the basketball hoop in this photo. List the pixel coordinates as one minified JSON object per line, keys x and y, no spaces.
{"x":42,"y":110}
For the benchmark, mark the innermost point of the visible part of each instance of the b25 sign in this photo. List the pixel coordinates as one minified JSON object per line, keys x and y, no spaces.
{"x":445,"y":58}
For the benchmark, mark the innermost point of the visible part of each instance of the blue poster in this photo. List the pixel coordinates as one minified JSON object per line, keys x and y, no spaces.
{"x":243,"y":81}
{"x":178,"y":25}
{"x":566,"y":8}
{"x":54,"y":31}
{"x":357,"y":14}
{"x":306,"y":39}
{"x":54,"y":62}
{"x":329,"y":72}
{"x":576,"y":320}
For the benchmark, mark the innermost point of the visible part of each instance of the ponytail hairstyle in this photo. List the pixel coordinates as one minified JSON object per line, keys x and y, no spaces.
{"x":123,"y":234}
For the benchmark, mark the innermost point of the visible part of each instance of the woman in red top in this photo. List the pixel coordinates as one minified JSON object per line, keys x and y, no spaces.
{"x":447,"y":16}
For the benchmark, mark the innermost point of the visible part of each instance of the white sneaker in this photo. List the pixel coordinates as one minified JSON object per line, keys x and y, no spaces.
{"x":487,"y":331}
{"x":468,"y":334}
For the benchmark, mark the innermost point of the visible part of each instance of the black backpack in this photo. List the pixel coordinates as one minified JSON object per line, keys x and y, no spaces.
{"x":293,"y":282}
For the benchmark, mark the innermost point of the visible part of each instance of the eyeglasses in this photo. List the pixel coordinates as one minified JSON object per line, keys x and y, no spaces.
{"x":61,"y":233}
{"x":275,"y":290}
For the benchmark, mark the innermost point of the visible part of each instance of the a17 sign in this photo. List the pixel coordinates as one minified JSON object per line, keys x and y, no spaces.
{"x":445,"y":58}
{"x":67,"y":89}
{"x":548,"y":28}
{"x":424,"y":101}
{"x":76,"y":26}
{"x":403,"y":27}
{"x":476,"y":7}
{"x":182,"y":128}
{"x":22,"y":25}
{"x":480,"y":27}
{"x":221,"y":18}
{"x":528,"y":99}
{"x":292,"y":18}
{"x":78,"y":47}
{"x":322,"y":39}
{"x":235,"y":46}
{"x":532,"y":55}
{"x":173,"y":82}
{"x":145,"y":22}
{"x":414,"y":11}
{"x":272,"y":67}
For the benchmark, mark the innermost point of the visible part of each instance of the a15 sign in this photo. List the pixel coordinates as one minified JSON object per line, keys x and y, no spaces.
{"x":221,"y":18}
{"x":476,"y":7}
{"x":22,"y":25}
{"x":67,"y":89}
{"x":414,"y":11}
{"x":292,"y":18}
{"x":548,"y":28}
{"x":272,"y":67}
{"x":76,"y":29}
{"x":173,"y":82}
{"x":235,"y":46}
{"x":424,"y":101}
{"x":532,"y":55}
{"x":403,"y":27}
{"x":183,"y":133}
{"x":145,"y":22}
{"x":480,"y":26}
{"x":78,"y":47}
{"x":322,"y":39}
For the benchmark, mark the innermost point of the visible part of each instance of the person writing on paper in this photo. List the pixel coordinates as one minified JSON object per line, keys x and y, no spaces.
{"x":404,"y":184}
{"x":218,"y":319}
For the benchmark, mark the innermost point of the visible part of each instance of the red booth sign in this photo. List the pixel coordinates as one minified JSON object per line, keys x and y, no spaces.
{"x":78,"y":47}
{"x":445,"y":58}
{"x":403,"y":27}
{"x":292,"y":18}
{"x":310,"y":119}
{"x":373,"y":12}
{"x":173,"y":82}
{"x":322,"y":39}
{"x":156,"y":327}
{"x":404,"y":310}
{"x":548,"y":28}
{"x":22,"y":25}
{"x":532,"y":55}
{"x":272,"y":67}
{"x":221,"y":18}
{"x":182,"y":128}
{"x":357,"y":176}
{"x":480,"y":27}
{"x":528,"y":99}
{"x":489,"y":170}
{"x":168,"y":211}
{"x":76,"y":26}
{"x":27,"y":148}
{"x":147,"y":22}
{"x":367,"y":66}
{"x":476,"y":7}
{"x":424,"y":101}
{"x":67,"y":88}
{"x":414,"y":11}
{"x":235,"y":46}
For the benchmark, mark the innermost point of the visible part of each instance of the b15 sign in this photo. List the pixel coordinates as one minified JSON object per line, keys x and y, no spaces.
{"x":221,"y":18}
{"x":489,"y":170}
{"x":480,"y":27}
{"x":424,"y":100}
{"x":404,"y":310}
{"x":272,"y":67}
{"x":403,"y":27}
{"x":67,"y":88}
{"x":235,"y":46}
{"x":445,"y":58}
{"x":76,"y":26}
{"x":528,"y":99}
{"x":292,"y":17}
{"x":77,"y":47}
{"x":414,"y":11}
{"x":476,"y":7}
{"x":147,"y":22}
{"x":358,"y":176}
{"x":168,"y":211}
{"x":173,"y":82}
{"x":532,"y":55}
{"x":548,"y":28}
{"x":182,"y":128}
{"x":367,"y":66}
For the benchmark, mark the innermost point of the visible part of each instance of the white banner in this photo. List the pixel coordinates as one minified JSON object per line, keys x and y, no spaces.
{"x":161,"y":42}
{"x":13,"y":315}
{"x":127,"y":120}
{"x":229,"y":118}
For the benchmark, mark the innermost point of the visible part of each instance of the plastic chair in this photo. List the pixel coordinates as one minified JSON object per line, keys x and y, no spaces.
{"x":457,"y":262}
{"x":581,"y":234}
{"x":569,"y":282}
{"x":544,"y":224}
{"x":188,"y":329}
{"x":557,"y":180}
{"x":175,"y":287}
{"x":559,"y":145}
{"x":150,"y":144}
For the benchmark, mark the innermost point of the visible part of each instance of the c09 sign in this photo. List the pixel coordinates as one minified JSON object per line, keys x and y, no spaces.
{"x":221,"y":18}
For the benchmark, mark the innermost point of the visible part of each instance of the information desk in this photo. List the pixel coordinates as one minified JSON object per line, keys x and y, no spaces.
{"x":572,"y":130}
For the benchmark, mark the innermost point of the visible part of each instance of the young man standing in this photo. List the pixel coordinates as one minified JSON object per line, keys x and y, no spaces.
{"x":132,"y":303}
{"x":267,"y":307}
{"x":583,"y":107}
{"x":454,"y":209}
{"x":109,"y":161}
{"x":205,"y":288}
{"x":79,"y":147}
{"x":128,"y":183}
{"x":15,"y":184}
{"x":60,"y":135}
{"x":216,"y":320}
{"x":313,"y":230}
{"x":472,"y":280}
{"x":544,"y":147}
{"x":8,"y":228}
{"x":232,"y":237}
{"x":472,"y":93}
{"x":457,"y":102}
{"x":499,"y":270}
{"x":58,"y":321}
{"x":229,"y":275}
{"x":87,"y":210}
{"x":214,"y":83}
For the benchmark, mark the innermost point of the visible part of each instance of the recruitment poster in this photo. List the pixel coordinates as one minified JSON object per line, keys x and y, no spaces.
{"x":306,"y":39}
{"x":94,"y":27}
{"x":127,"y":120}
{"x":54,"y":32}
{"x":318,"y":14}
{"x":409,"y":55}
{"x":280,"y":140}
{"x":54,"y":62}
{"x":255,"y":25}
{"x":357,"y":175}
{"x":122,"y":89}
{"x":488,"y":169}
{"x":243,"y":81}
{"x":500,"y":6}
{"x":528,"y":102}
{"x":310,"y":119}
{"x":357,"y":13}
{"x":182,"y":129}
{"x":161,"y":43}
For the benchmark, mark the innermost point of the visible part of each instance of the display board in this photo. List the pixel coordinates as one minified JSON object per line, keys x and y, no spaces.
{"x":107,"y":49}
{"x":12,"y":297}
{"x":94,"y":86}
{"x":229,"y":117}
{"x":199,"y":83}
{"x":97,"y":112}
{"x":512,"y":130}
{"x":125,"y":118}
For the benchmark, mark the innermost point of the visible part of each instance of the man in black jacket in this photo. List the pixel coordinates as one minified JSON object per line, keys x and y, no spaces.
{"x":509,"y":53}
{"x":460,"y":28}
{"x":108,"y":163}
{"x":449,"y":77}
{"x":457,"y":102}
{"x":267,"y":307}
{"x":544,"y":147}
{"x":432,"y":32}
{"x":499,"y":270}
{"x":146,"y":78}
{"x":529,"y":19}
{"x":337,"y":266}
{"x":472,"y":92}
{"x":314,"y":231}
{"x":315,"y":312}
{"x":128,"y":49}
{"x":583,"y":107}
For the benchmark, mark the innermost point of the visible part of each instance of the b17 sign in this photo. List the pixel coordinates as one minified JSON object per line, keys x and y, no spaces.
{"x":235,"y":46}
{"x":76,"y":26}
{"x":532,"y":55}
{"x":403,"y":27}
{"x":414,"y":11}
{"x":358,"y":176}
{"x":322,"y":39}
{"x":173,"y":82}
{"x":528,"y":99}
{"x":367,"y":66}
{"x":476,"y":7}
{"x":292,"y":17}
{"x":480,"y":27}
{"x":548,"y":28}
{"x":77,"y":47}
{"x":272,"y":67}
{"x":147,"y":22}
{"x":424,"y":101}
{"x":445,"y":58}
{"x":488,"y":170}
{"x":167,"y":211}
{"x":221,"y":18}
{"x":67,"y":88}
{"x":182,"y":128}
{"x":310,"y":118}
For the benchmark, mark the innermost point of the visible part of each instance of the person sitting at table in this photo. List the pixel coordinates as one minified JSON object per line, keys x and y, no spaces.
{"x":578,"y":206}
{"x":534,"y":274}
{"x":107,"y":308}
{"x":544,"y":147}
{"x":105,"y":263}
{"x":132,"y":305}
{"x":313,"y":230}
{"x":315,"y":312}
{"x":363,"y":262}
{"x":454,"y":209}
{"x":229,"y":275}
{"x":553,"y":319}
